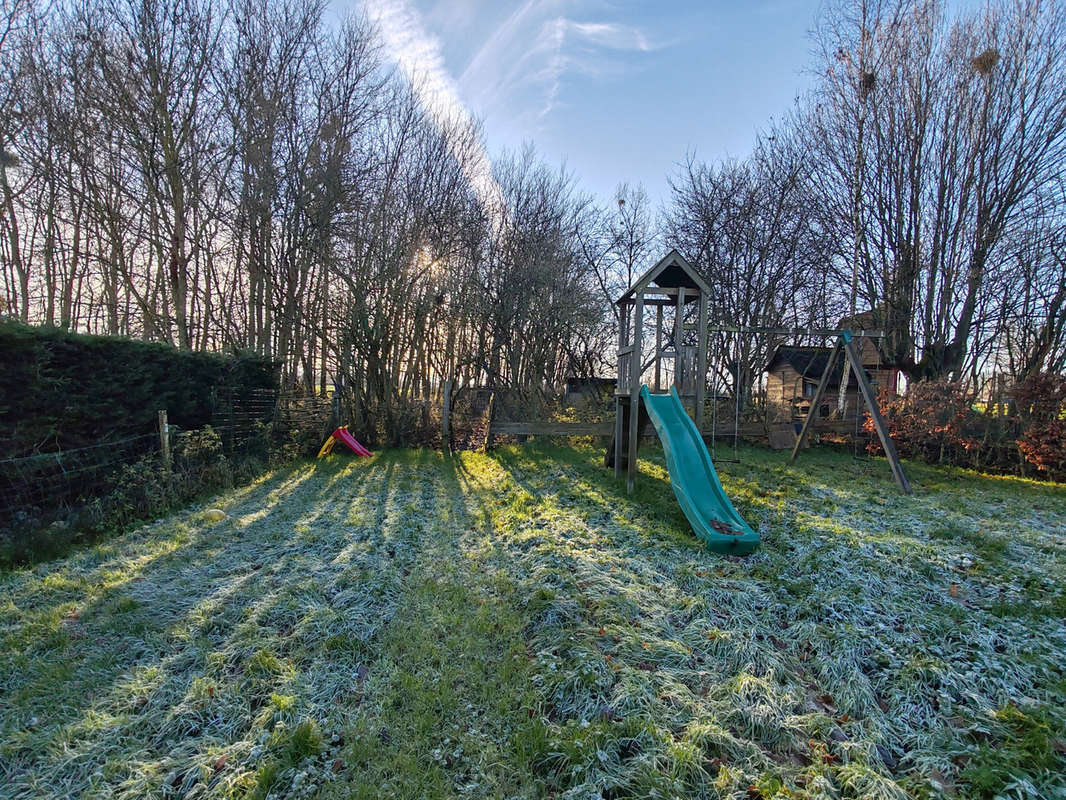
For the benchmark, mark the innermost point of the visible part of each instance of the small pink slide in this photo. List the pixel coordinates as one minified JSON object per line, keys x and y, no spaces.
{"x":342,"y":435}
{"x":348,"y":439}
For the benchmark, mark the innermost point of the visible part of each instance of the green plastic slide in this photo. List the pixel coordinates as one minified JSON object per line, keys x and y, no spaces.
{"x":695,"y":482}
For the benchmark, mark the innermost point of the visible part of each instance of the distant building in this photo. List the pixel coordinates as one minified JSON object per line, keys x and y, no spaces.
{"x":793,"y":374}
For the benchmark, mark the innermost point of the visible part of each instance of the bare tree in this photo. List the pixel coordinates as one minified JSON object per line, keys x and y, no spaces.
{"x":946,"y":144}
{"x":748,"y":228}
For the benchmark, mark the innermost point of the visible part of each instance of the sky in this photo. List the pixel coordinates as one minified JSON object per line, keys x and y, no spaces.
{"x":615,"y":90}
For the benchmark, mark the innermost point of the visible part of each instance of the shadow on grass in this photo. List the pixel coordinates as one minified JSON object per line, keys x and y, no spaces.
{"x":178,"y":636}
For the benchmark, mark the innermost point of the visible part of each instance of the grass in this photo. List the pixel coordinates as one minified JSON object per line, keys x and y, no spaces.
{"x":514,"y":625}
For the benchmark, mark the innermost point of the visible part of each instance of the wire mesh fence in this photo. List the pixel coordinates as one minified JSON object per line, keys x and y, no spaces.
{"x":44,"y":487}
{"x":51,"y":479}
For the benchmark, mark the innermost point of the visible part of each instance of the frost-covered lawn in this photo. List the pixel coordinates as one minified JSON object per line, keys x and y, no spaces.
{"x":513,"y":625}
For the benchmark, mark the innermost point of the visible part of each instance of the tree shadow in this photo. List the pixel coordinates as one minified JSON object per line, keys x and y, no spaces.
{"x":179,"y":636}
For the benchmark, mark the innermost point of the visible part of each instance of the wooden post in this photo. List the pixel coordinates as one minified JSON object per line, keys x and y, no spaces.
{"x":875,"y":414}
{"x":488,"y":425}
{"x":623,"y":316}
{"x":445,"y":418}
{"x":658,"y":346}
{"x":701,"y":362}
{"x":679,"y":331}
{"x":634,"y":391}
{"x":164,"y":439}
{"x":822,"y":384}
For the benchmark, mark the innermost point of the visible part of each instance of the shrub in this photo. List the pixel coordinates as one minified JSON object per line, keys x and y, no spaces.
{"x":1041,"y":403}
{"x":138,"y":491}
{"x":934,"y":421}
{"x":61,"y":390}
{"x":1044,"y":446}
{"x":200,"y":462}
{"x":938,"y":422}
{"x":1041,"y":397}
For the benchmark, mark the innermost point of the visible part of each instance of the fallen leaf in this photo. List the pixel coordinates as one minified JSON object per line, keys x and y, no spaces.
{"x":826,"y":702}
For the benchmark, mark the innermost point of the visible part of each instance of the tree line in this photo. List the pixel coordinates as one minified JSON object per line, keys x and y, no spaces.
{"x":226,"y":174}
{"x":222,"y":173}
{"x":922,"y":178}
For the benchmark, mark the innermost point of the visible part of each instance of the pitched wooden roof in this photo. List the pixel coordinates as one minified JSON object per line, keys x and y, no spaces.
{"x":671,"y":272}
{"x":810,"y":362}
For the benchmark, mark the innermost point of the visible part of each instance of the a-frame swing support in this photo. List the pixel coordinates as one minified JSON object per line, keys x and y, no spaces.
{"x":846,"y":344}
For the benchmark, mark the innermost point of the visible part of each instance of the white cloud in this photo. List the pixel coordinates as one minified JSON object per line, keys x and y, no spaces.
{"x":536,"y":47}
{"x":418,"y":55}
{"x":612,"y":35}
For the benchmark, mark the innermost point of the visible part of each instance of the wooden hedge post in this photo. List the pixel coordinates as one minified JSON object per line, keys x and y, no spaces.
{"x":164,"y":439}
{"x":445,"y":418}
{"x":488,"y":424}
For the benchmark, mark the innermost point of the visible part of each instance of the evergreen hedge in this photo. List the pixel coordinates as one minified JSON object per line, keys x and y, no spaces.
{"x":62,"y":390}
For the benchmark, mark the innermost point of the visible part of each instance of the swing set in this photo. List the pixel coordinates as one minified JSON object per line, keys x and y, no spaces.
{"x":680,"y":359}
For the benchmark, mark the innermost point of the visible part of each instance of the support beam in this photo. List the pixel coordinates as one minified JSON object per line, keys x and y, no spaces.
{"x":634,"y":391}
{"x":812,"y":332}
{"x":818,"y":394}
{"x":658,"y":346}
{"x":701,"y":362}
{"x":617,"y":443}
{"x":679,"y":329}
{"x":875,"y":414}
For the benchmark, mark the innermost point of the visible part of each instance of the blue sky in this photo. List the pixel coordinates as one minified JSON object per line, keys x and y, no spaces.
{"x":619,"y":90}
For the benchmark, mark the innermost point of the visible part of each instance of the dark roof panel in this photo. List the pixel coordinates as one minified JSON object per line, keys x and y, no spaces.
{"x":673,"y":276}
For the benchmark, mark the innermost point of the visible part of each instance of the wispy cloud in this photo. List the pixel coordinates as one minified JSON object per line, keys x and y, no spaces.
{"x":530,"y":55}
{"x":519,"y":71}
{"x":578,"y":47}
{"x":418,"y":54}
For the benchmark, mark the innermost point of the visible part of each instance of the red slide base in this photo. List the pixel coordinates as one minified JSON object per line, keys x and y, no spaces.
{"x":342,"y":435}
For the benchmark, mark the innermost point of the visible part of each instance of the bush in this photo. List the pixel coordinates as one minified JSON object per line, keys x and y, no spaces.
{"x":200,"y":464}
{"x":938,"y":422}
{"x":934,"y":421}
{"x":135,"y":492}
{"x":1041,"y":403}
{"x":1044,"y":446}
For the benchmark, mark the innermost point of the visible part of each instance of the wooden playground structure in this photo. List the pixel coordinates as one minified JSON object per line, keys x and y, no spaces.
{"x":677,"y":358}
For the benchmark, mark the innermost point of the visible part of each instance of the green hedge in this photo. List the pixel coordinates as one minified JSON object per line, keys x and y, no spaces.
{"x":60,"y":390}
